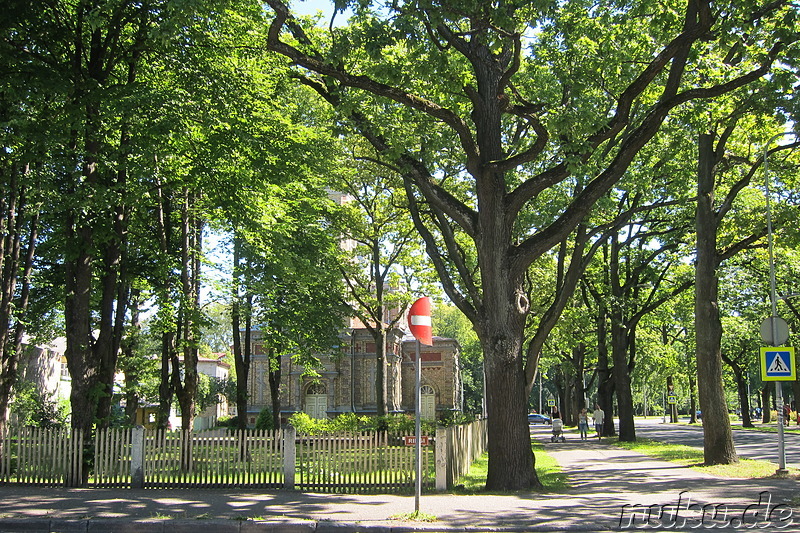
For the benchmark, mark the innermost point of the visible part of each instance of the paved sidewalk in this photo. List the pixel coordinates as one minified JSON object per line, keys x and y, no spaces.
{"x":611,"y":490}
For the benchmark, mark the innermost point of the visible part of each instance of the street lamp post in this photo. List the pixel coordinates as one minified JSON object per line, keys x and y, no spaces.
{"x":774,"y":307}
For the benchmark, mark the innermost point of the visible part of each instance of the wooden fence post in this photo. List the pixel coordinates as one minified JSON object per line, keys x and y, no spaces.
{"x":441,"y":459}
{"x":289,"y":456}
{"x":137,"y":457}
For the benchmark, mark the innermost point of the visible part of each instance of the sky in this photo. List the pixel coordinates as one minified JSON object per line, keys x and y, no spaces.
{"x":310,"y":7}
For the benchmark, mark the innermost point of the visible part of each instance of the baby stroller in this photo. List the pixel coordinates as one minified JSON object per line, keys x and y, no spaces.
{"x":558,"y":431}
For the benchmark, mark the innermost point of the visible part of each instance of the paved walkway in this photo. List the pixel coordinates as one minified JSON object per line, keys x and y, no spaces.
{"x":611,"y":490}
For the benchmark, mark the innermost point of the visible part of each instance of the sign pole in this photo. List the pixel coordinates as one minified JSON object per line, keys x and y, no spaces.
{"x":774,"y":305}
{"x":418,"y":431}
{"x":419,"y":322}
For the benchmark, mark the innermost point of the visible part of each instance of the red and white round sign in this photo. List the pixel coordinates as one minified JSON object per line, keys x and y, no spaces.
{"x":419,"y":320}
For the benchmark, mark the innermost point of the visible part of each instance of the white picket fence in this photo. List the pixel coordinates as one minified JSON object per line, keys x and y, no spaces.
{"x":37,"y":456}
{"x":341,"y":462}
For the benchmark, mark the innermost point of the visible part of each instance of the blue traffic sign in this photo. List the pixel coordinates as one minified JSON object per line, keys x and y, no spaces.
{"x":778,"y":364}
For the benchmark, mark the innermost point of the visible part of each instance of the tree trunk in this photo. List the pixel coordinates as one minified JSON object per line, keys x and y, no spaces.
{"x":511,"y":460}
{"x":605,"y":382}
{"x":510,"y":457}
{"x":184,"y":376}
{"x":130,"y":347}
{"x":243,"y":373}
{"x":165,"y":297}
{"x":692,"y":377}
{"x":10,"y":255}
{"x":718,"y":439}
{"x":619,"y":350}
{"x":275,"y":371}
{"x":165,"y":388}
{"x":579,"y":394}
{"x":766,"y":409}
{"x":744,"y":400}
{"x":241,"y":359}
{"x":379,"y":335}
{"x":740,"y":377}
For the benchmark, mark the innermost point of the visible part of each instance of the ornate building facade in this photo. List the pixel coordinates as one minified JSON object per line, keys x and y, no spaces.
{"x":346,"y":381}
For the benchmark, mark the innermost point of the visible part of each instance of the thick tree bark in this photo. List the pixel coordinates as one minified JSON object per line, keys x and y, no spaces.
{"x":79,"y":352}
{"x":718,"y":440}
{"x":511,"y":460}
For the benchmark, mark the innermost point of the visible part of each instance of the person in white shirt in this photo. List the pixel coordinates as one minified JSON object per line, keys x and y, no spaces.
{"x":598,"y":416}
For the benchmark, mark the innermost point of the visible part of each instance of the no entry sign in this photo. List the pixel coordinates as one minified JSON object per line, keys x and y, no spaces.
{"x":419,"y":321}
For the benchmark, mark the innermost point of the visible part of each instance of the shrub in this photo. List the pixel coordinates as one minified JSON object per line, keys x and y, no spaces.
{"x":305,"y":424}
{"x":264,"y":420}
{"x":455,"y":418}
{"x":227,"y":422}
{"x":395,"y":424}
{"x":350,"y":422}
{"x":32,"y":409}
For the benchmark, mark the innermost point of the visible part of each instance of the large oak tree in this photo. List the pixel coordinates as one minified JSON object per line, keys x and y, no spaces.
{"x":485,"y":108}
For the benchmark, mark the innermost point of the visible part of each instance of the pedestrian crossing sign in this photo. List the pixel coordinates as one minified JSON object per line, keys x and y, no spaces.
{"x":778,"y":364}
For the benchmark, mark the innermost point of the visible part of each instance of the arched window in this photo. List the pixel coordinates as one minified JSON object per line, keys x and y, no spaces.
{"x":317,"y":388}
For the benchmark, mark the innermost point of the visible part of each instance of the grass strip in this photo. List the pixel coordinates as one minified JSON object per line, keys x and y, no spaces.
{"x":768,"y":429}
{"x":416,"y":516}
{"x":693,"y":458}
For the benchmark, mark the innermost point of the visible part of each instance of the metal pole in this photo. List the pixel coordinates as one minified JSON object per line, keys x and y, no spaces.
{"x":540,"y":391}
{"x":774,"y":306}
{"x":418,"y":432}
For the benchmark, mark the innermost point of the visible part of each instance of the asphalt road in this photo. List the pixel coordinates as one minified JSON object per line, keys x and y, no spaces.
{"x":749,"y":444}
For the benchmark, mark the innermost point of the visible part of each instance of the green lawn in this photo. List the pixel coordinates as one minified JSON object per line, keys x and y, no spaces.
{"x":693,"y":457}
{"x":770,"y":428}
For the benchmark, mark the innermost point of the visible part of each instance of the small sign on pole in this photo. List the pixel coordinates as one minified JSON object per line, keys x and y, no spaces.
{"x":411,"y":440}
{"x":672,"y":398}
{"x":419,"y":321}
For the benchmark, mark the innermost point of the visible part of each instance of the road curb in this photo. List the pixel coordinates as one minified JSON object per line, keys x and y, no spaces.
{"x":119,"y":525}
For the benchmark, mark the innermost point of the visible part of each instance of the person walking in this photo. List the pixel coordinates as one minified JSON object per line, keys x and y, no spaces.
{"x":599,"y":417}
{"x":583,"y":423}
